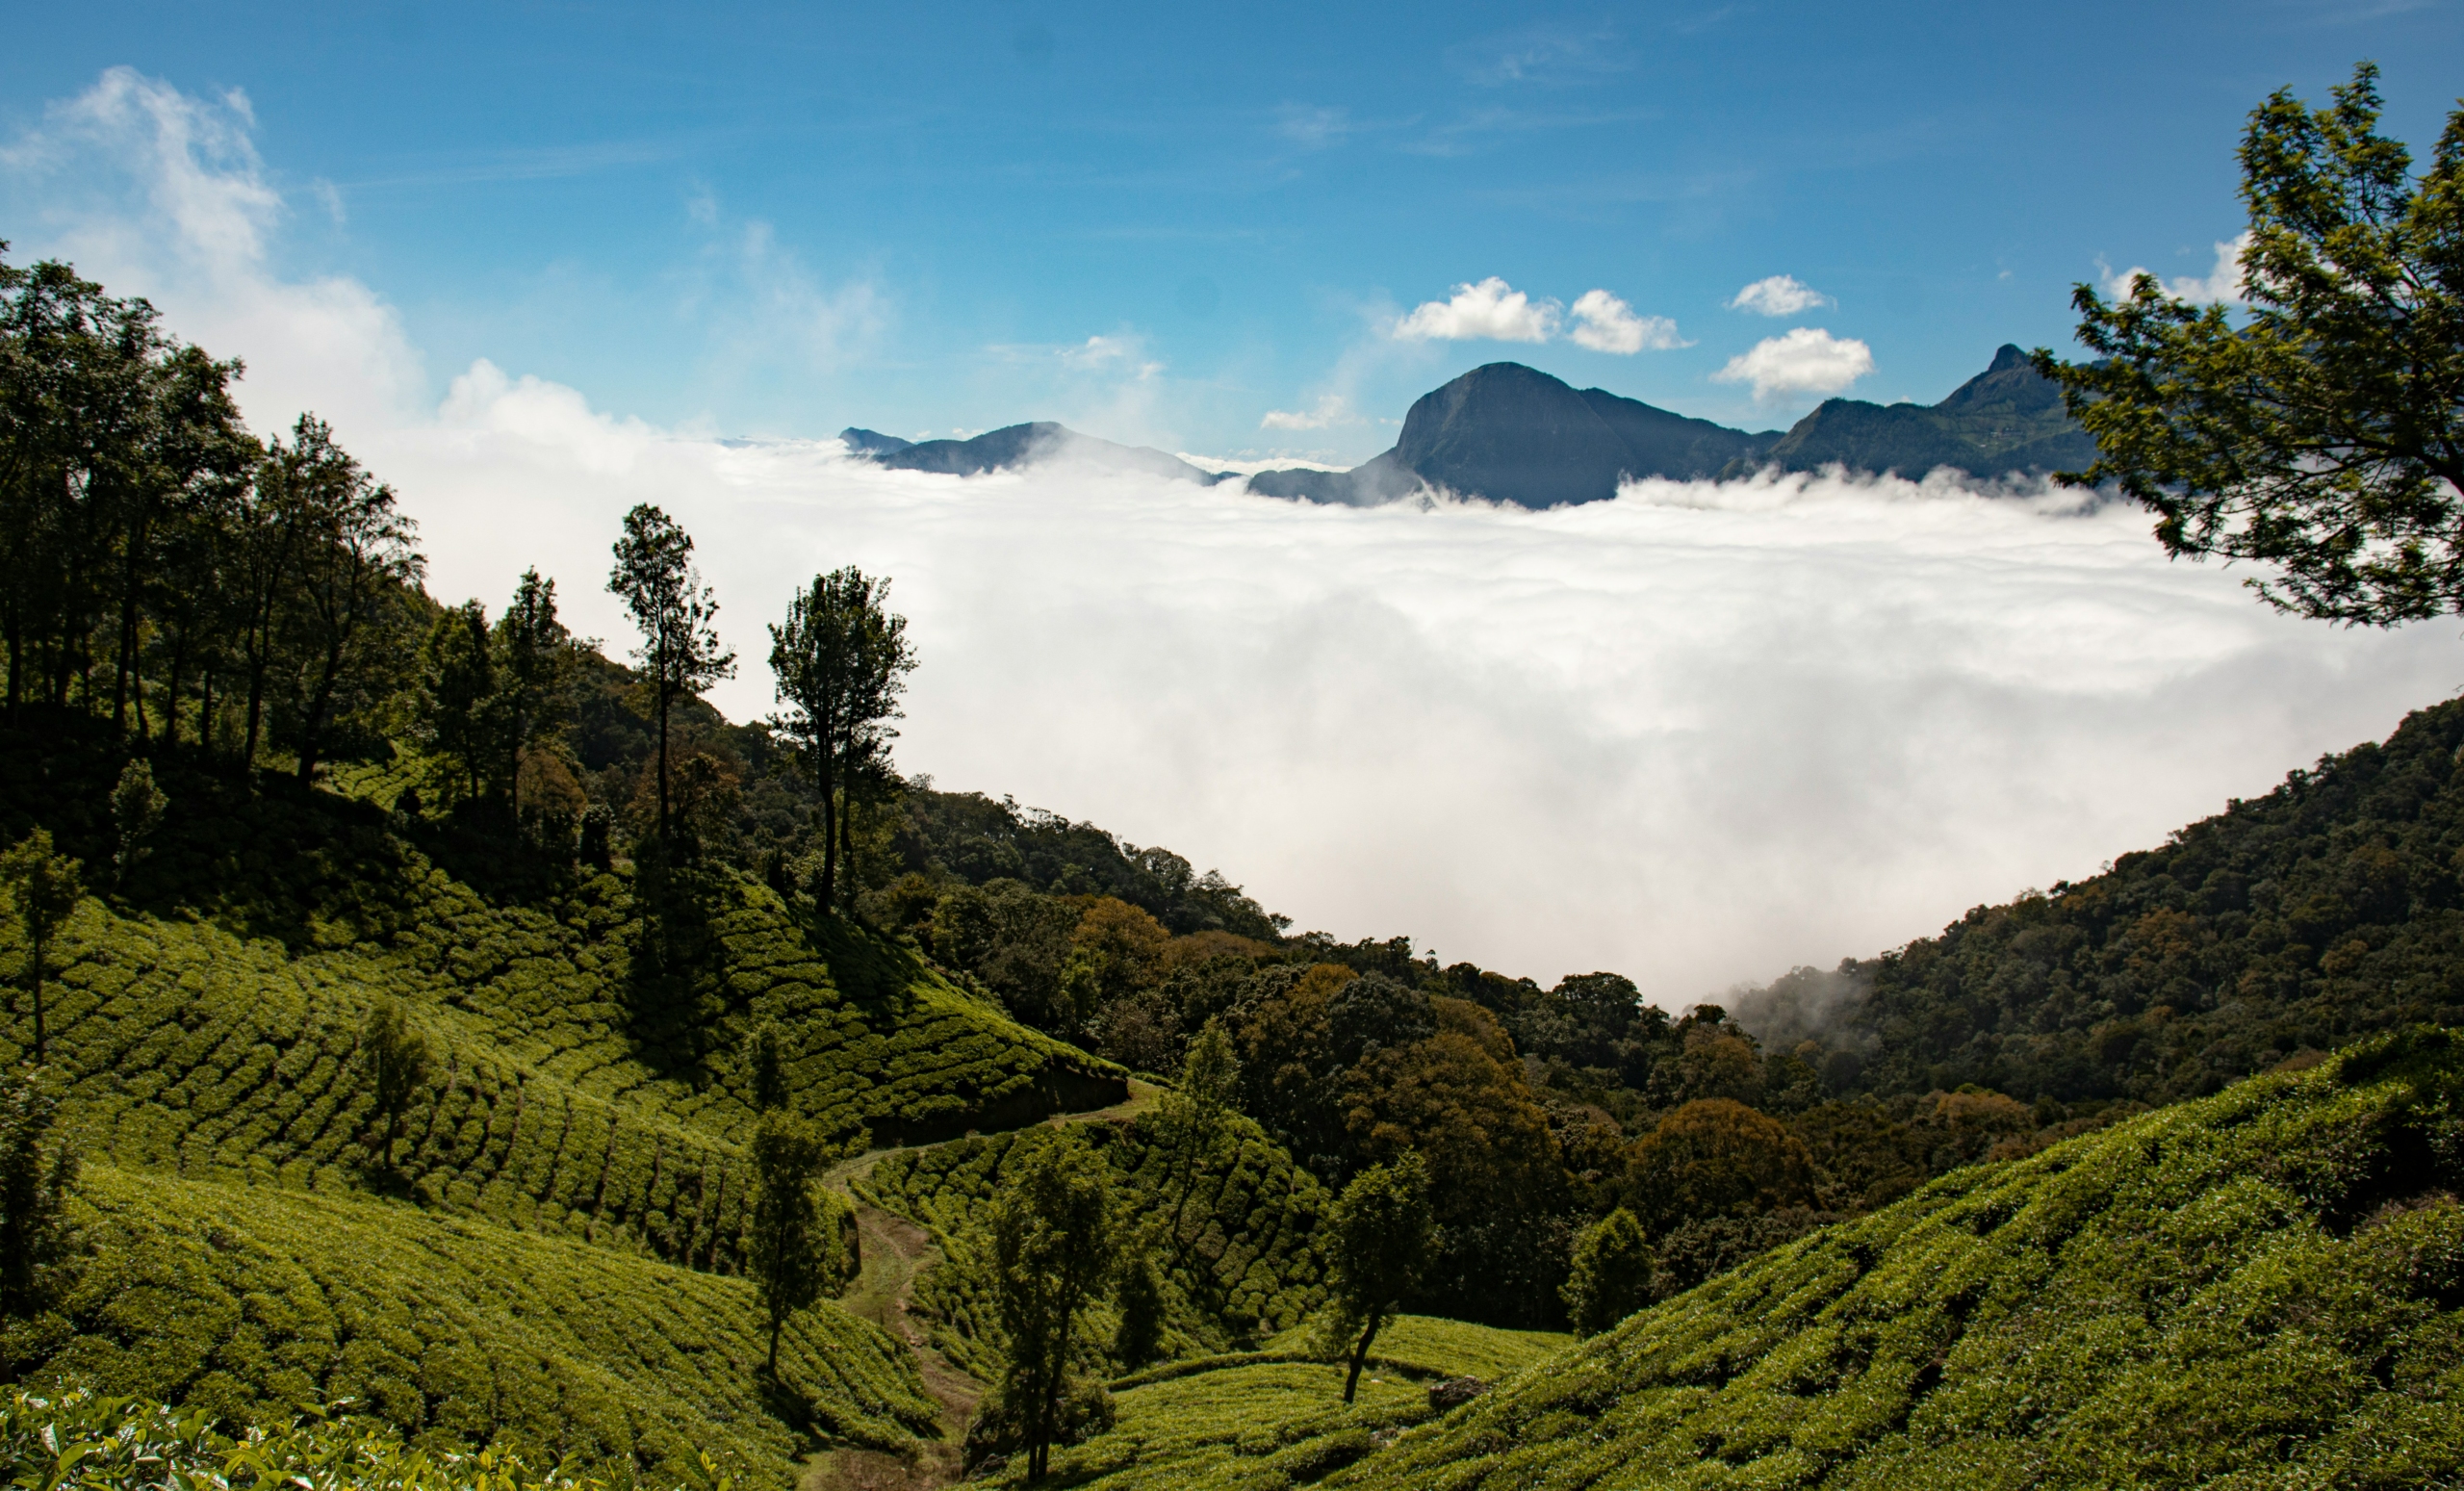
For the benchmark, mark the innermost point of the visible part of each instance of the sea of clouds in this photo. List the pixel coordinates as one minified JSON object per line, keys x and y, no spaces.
{"x":1697,"y":735}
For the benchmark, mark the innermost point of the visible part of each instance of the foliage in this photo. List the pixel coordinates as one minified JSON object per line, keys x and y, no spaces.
{"x":1275,"y":1417}
{"x":2265,"y":1287}
{"x":2325,"y":436}
{"x":37,"y":1166}
{"x":1055,"y":1242}
{"x":77,"y":1441}
{"x":841,"y":657}
{"x":397,"y":1064}
{"x":1250,"y":1266}
{"x":2290,"y":923}
{"x":1379,"y":1235}
{"x":43,"y":887}
{"x":1715,"y":1157}
{"x":675,"y":612}
{"x":245,"y":1301}
{"x":136,"y":811}
{"x":1611,"y":1278}
{"x":459,"y":692}
{"x":798,"y":1249}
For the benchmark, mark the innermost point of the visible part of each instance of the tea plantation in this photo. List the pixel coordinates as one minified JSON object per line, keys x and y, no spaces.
{"x":549,"y":1257}
{"x":247,"y":1302}
{"x":1250,"y":1268}
{"x":1275,"y":1417}
{"x":2264,"y":1288}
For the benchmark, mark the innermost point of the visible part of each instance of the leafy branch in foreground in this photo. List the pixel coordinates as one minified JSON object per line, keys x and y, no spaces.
{"x":2324,"y":437}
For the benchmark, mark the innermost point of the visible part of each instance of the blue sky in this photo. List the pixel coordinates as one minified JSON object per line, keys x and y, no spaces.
{"x":1162,"y":223}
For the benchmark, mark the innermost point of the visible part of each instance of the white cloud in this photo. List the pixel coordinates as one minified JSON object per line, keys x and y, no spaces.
{"x":1490,"y":310}
{"x":1312,"y":126}
{"x":1781,"y":295}
{"x":1611,"y":325}
{"x":2222,"y":284}
{"x":1710,"y":732}
{"x":157,"y":193}
{"x":1803,"y":360}
{"x":1106,"y":353}
{"x":1330,"y":409}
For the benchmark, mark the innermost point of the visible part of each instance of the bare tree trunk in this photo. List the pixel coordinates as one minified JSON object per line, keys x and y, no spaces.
{"x":1360,"y":1352}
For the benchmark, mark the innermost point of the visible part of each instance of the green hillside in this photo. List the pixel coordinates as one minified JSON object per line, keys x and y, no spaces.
{"x":2262,"y":1288}
{"x":1251,"y":1269}
{"x":569,"y":1208}
{"x":247,"y":1302}
{"x":1275,"y":1418}
{"x":2330,"y":909}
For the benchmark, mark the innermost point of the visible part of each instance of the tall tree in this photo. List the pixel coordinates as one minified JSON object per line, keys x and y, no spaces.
{"x":44,"y":888}
{"x":676,"y":614}
{"x":397,"y":1062}
{"x":798,"y":1247}
{"x":1382,"y":1232}
{"x":1196,"y":1114}
{"x":841,"y":659}
{"x":535,"y":671}
{"x":2324,"y":436}
{"x":349,"y":581}
{"x":35,"y":1171}
{"x":136,"y":811}
{"x":1055,"y":1242}
{"x":458,"y":700}
{"x":1612,"y":1273}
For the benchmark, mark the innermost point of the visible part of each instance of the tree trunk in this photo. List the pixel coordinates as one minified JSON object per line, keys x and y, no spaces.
{"x":777,"y":1320}
{"x":1360,"y":1352}
{"x":41,"y":1056}
{"x":829,"y":831}
{"x":660,"y":690}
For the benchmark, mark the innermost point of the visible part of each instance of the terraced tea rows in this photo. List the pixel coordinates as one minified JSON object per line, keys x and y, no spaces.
{"x":207,"y":1025}
{"x":1250,"y":1268}
{"x":1273,"y":1419}
{"x":2262,"y":1288}
{"x":248,"y":1301}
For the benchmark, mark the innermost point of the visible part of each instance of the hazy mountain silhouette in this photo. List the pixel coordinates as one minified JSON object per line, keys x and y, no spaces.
{"x":1020,"y":444}
{"x":1514,"y":434}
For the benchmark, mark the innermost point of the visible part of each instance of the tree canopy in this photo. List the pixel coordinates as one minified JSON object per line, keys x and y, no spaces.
{"x":2322,"y":434}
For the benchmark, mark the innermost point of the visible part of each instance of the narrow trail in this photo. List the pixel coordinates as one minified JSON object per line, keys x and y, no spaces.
{"x":895,"y":1250}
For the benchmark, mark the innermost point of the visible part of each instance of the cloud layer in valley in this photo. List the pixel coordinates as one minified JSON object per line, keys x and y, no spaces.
{"x":1699,"y":734}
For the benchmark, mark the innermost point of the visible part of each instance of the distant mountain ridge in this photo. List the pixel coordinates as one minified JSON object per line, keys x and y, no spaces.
{"x":1514,"y":434}
{"x":1019,"y":445}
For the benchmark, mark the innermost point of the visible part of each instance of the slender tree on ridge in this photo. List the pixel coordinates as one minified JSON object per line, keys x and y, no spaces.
{"x":458,"y":694}
{"x":841,"y":659}
{"x":535,"y":674}
{"x":679,"y":651}
{"x":44,"y":888}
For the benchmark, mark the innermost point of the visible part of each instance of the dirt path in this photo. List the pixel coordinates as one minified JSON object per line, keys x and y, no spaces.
{"x":895,"y":1250}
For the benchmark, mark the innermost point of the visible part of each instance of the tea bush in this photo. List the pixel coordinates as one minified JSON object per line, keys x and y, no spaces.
{"x":2262,"y":1288}
{"x":244,"y":1302}
{"x":1250,"y":1267}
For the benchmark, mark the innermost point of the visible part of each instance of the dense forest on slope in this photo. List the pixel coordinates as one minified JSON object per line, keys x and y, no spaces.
{"x":2261,"y":1288}
{"x":2327,"y":909}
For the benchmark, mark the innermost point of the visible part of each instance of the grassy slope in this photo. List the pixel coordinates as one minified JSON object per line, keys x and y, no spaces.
{"x":1263,"y":1421}
{"x":589,"y":1084}
{"x":2261,"y":1288}
{"x":1252,"y":1266}
{"x":249,"y":1301}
